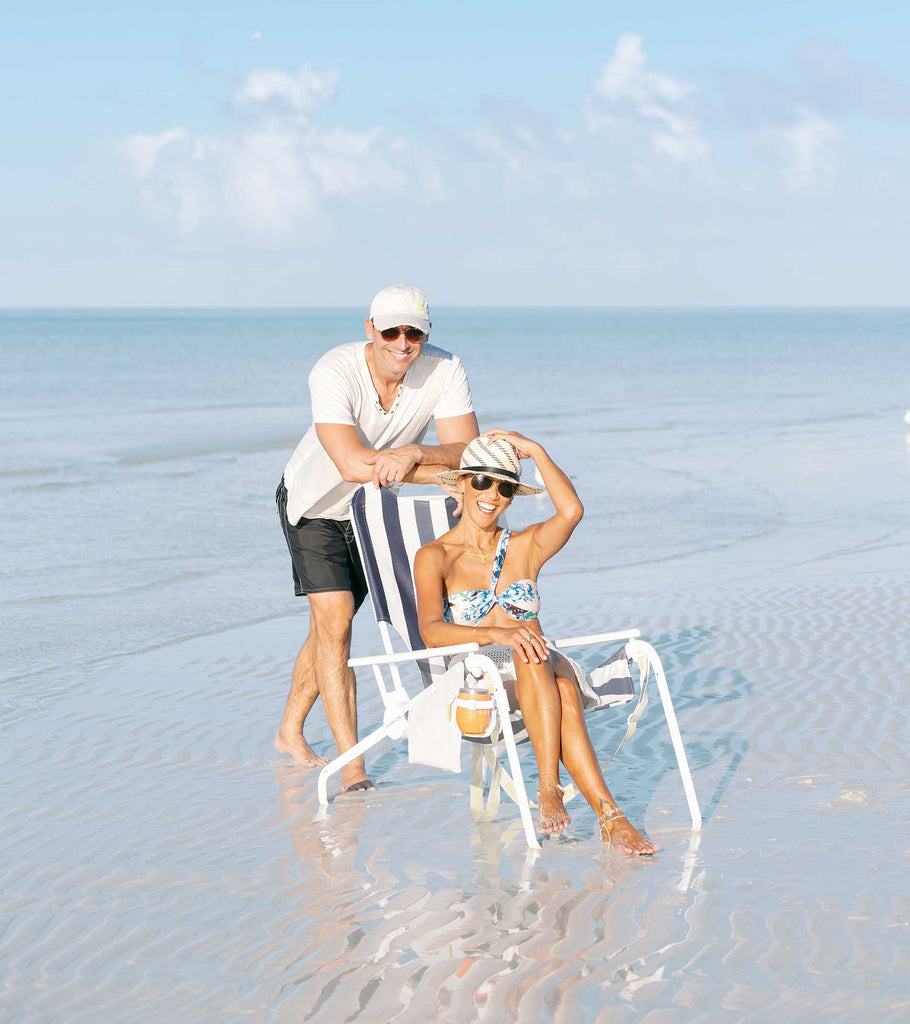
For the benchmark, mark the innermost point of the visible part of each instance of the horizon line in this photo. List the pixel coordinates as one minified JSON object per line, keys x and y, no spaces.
{"x":508,"y":306}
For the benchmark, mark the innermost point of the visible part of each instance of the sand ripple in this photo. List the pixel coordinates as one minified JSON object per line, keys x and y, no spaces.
{"x":160,"y":863}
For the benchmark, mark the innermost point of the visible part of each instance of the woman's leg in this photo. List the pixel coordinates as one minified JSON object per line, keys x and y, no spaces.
{"x":540,"y":703}
{"x":581,"y":763}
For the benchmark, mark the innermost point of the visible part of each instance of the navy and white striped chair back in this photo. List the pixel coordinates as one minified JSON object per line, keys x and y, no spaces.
{"x":390,"y":530}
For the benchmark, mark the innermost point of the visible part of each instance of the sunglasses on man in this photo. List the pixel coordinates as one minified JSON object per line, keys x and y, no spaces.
{"x":413,"y":334}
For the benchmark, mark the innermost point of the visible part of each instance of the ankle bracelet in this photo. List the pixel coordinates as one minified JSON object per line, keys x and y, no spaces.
{"x":609,"y":816}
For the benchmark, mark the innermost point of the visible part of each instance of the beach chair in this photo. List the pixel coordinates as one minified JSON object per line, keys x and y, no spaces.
{"x":390,"y":529}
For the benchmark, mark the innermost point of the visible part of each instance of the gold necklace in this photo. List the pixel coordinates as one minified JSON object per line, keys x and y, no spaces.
{"x":483,"y":557}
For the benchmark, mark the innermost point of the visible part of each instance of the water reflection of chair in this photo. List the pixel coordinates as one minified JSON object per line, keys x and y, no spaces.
{"x":389,"y":531}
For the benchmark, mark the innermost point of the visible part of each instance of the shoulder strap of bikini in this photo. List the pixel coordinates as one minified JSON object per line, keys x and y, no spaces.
{"x":500,"y":558}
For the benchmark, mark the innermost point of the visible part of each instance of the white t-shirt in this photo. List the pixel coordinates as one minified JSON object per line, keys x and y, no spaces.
{"x":341,"y":391}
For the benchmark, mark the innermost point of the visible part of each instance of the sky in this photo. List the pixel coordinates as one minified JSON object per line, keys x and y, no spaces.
{"x":302,"y":153}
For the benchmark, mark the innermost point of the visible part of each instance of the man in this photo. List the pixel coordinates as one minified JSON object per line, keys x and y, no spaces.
{"x":372,"y":404}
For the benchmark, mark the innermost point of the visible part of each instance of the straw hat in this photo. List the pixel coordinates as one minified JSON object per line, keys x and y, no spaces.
{"x":491,"y":458}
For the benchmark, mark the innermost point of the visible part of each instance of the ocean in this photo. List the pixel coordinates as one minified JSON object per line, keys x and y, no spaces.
{"x":745,"y":476}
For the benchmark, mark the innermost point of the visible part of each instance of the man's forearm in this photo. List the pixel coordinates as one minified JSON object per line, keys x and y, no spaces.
{"x":425,"y":473}
{"x":442,"y":456}
{"x":409,"y":463}
{"x":420,"y":473}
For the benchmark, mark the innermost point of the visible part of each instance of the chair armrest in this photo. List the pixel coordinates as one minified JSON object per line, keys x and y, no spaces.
{"x":597,"y":638}
{"x":429,"y":652}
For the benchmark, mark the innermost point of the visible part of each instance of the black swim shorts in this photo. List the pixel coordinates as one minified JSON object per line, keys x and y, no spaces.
{"x":324,"y":555}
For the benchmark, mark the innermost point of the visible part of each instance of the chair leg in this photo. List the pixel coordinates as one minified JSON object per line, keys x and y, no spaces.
{"x":635,"y":648}
{"x":346,"y":758}
{"x":521,"y":793}
{"x":483,"y":760}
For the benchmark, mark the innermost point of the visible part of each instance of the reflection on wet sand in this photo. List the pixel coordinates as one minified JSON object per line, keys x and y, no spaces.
{"x":502,"y":929}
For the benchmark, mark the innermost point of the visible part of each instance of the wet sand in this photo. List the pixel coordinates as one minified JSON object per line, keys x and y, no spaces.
{"x":161,"y":863}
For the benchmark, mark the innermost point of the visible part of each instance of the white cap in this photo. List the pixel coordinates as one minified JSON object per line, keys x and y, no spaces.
{"x":398,"y":306}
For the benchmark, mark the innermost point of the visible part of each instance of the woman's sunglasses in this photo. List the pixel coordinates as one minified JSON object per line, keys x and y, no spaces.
{"x":413,"y":334}
{"x":481,"y":482}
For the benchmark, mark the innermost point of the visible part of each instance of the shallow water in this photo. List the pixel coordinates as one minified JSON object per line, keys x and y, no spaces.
{"x":746,"y":482}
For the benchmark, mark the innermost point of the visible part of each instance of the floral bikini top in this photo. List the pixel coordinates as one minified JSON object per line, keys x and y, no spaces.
{"x":520,"y":599}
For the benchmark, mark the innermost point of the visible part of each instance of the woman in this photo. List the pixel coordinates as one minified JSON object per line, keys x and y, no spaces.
{"x":479,"y":582}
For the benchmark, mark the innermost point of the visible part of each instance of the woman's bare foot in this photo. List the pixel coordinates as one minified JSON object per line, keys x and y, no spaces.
{"x":298,"y":748}
{"x":553,"y":815}
{"x":618,"y":833}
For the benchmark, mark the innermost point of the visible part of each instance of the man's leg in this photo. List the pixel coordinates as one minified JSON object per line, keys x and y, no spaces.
{"x":331,"y":613}
{"x":304,"y":691}
{"x":327,"y":570}
{"x":328,"y":647}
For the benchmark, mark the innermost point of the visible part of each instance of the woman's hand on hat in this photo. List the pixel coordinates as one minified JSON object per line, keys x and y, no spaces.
{"x":524,"y":446}
{"x":529,"y":645}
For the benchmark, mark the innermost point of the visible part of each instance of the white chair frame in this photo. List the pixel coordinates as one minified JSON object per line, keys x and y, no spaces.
{"x":396,"y":703}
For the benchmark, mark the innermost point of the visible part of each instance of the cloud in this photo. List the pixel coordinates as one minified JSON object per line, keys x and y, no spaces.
{"x":262,"y":180}
{"x":835,"y":84}
{"x":141,"y":151}
{"x":277,"y":170}
{"x":170,"y":169}
{"x":628,"y":91}
{"x":808,"y":147}
{"x":820,"y":77}
{"x":625,"y":76}
{"x":647,"y":178}
{"x":276,"y":93}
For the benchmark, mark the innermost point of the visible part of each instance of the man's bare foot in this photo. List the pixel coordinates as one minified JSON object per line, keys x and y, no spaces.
{"x":298,"y":748}
{"x":618,"y":833}
{"x":361,"y":786}
{"x":553,"y":815}
{"x":354,"y":779}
